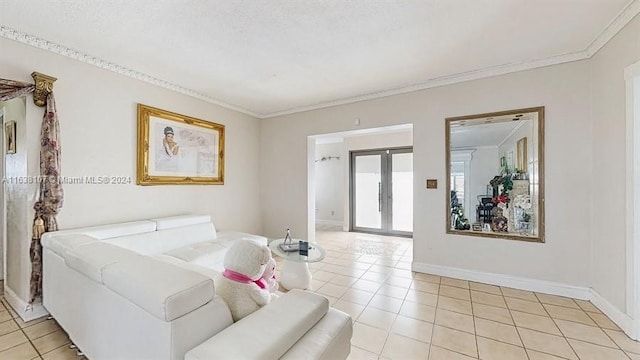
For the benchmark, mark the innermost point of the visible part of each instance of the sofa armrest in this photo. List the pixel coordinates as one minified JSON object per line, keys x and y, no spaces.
{"x":164,"y":290}
{"x":267,"y":333}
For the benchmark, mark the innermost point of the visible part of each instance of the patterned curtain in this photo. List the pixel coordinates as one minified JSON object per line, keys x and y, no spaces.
{"x":51,"y":194}
{"x":10,"y":89}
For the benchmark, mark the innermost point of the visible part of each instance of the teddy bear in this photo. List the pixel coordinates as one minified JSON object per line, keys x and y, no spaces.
{"x":239,"y":284}
{"x":269,"y":278}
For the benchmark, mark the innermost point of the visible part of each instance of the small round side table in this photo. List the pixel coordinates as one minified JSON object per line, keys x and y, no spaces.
{"x":295,"y":273}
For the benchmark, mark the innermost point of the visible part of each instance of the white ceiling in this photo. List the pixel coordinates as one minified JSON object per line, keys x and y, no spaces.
{"x":282,"y":56}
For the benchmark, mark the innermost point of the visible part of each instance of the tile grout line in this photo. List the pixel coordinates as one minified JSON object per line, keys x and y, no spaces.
{"x":514,"y":324}
{"x":473,"y":318}
{"x":579,"y":323}
{"x":433,"y":325}
{"x":556,"y":324}
{"x":29,"y":339}
{"x":549,"y":316}
{"x":19,"y":329}
{"x":518,"y":328}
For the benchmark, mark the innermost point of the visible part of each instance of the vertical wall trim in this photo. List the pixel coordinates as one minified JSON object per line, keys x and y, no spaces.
{"x":632,"y":231}
{"x":311,"y":189}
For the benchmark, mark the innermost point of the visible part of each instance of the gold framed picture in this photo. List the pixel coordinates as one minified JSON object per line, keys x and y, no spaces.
{"x":178,"y":149}
{"x":10,"y":137}
{"x":521,"y":155}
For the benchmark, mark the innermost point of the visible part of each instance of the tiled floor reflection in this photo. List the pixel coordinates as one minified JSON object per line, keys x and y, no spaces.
{"x":403,"y":315}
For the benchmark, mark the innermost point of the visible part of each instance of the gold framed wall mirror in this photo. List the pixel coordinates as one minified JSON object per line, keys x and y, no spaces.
{"x":495,"y":174}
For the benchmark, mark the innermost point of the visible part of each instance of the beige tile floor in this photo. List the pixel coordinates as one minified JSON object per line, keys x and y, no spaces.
{"x":36,"y":339}
{"x":399,"y":314}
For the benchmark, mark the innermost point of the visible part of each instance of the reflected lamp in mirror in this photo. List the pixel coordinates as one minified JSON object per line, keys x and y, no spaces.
{"x":491,"y":192}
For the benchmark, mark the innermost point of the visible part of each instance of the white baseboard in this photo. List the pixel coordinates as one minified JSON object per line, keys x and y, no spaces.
{"x":26,"y":311}
{"x":517,"y":282}
{"x":624,"y":321}
{"x":329,"y":222}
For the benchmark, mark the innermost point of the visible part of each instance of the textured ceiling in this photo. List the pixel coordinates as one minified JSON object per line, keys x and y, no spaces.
{"x":279,"y":56}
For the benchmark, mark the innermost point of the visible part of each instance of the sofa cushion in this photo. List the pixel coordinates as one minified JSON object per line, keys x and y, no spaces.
{"x":328,"y":339}
{"x":229,"y":236}
{"x":180,"y":221}
{"x":162,"y":289}
{"x":91,"y":258}
{"x":99,"y":232}
{"x":210,"y":254}
{"x":192,"y":234}
{"x":160,"y":241}
{"x":115,"y":230}
{"x":285,"y":321}
{"x":145,"y":243}
{"x":205,"y":253}
{"x":59,"y":244}
{"x":211,"y":273}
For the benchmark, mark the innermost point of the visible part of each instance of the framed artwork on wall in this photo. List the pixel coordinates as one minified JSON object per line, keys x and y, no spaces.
{"x":10,"y":137}
{"x":178,"y":149}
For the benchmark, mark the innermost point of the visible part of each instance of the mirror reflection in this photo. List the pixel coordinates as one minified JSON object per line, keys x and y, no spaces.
{"x":495,"y":174}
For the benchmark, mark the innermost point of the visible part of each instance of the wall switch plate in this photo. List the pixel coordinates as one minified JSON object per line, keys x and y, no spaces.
{"x":432,"y":183}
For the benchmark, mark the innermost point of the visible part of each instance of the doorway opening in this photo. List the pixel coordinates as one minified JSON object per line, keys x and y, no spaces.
{"x":329,"y":177}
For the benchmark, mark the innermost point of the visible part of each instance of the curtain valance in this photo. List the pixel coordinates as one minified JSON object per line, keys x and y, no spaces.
{"x":10,"y":89}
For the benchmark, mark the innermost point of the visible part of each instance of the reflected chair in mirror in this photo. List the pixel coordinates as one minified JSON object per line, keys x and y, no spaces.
{"x":484,"y":210}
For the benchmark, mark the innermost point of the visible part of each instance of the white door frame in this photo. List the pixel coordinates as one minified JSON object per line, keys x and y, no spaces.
{"x":632,"y":80}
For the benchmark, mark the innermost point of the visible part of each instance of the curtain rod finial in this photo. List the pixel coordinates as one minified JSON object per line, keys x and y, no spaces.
{"x":44,"y":86}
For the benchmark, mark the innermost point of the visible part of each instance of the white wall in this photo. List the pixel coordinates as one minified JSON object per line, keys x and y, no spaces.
{"x":329,"y":182}
{"x":379,"y":141}
{"x":563,"y":89}
{"x":97,"y":113}
{"x":608,"y":262}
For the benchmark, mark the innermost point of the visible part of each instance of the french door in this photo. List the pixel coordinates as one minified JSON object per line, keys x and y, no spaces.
{"x":381,"y":191}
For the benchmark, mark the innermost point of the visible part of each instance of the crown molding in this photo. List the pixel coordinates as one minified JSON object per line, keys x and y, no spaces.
{"x":627,"y":14}
{"x":444,"y":80}
{"x":621,"y":20}
{"x":47,"y":45}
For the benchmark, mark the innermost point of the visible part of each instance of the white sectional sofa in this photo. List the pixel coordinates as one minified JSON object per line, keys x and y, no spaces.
{"x":145,"y":290}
